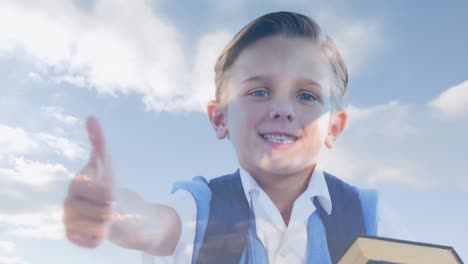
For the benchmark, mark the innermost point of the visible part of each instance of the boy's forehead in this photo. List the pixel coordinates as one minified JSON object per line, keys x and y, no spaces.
{"x":277,"y":56}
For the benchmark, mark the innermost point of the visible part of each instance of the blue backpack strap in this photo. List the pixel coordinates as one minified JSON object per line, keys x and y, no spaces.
{"x":369,"y":199}
{"x":200,"y":191}
{"x":346,"y":219}
{"x":317,"y":246}
{"x":228,"y":223}
{"x":254,"y":252}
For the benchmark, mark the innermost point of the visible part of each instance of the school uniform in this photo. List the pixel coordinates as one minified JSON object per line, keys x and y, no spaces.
{"x":268,"y":239}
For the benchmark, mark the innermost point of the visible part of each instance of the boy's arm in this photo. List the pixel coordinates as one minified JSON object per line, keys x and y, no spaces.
{"x":92,"y":211}
{"x":152,"y":228}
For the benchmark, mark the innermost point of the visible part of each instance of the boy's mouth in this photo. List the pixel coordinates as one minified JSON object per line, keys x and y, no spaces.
{"x":279,"y":138}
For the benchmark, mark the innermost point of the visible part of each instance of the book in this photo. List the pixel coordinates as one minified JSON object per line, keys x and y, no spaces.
{"x":379,"y":250}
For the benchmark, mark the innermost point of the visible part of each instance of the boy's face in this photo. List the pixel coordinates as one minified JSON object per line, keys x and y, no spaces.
{"x":276,"y":106}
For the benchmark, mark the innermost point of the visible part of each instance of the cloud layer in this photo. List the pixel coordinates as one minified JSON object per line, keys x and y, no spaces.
{"x":453,"y":102}
{"x":116,"y":48}
{"x":31,"y":186}
{"x":405,"y":145}
{"x":15,"y":140}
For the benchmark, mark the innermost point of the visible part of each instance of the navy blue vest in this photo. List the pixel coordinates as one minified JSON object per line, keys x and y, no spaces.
{"x":225,"y":237}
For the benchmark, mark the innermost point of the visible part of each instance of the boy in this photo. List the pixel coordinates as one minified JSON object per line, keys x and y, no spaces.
{"x":279,"y":85}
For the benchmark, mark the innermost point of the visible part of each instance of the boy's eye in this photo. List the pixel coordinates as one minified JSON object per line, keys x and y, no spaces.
{"x":259,"y":93}
{"x":307,"y":96}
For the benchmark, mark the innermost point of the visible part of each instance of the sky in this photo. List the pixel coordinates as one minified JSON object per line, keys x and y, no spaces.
{"x":145,"y":70}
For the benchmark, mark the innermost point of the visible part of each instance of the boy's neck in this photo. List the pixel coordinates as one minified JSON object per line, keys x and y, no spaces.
{"x":283,"y":190}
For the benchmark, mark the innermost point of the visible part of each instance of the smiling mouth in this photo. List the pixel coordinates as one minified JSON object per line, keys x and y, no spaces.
{"x":278,"y":138}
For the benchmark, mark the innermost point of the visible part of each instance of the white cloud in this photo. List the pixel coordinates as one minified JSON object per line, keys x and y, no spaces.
{"x":123,"y":47}
{"x":7,"y":247}
{"x":35,"y":32}
{"x":357,"y":113}
{"x":116,"y":48}
{"x":400,"y":174}
{"x":6,"y":260}
{"x":343,"y":164}
{"x":203,"y":75}
{"x":56,"y":112}
{"x":398,"y":144}
{"x":389,"y":120}
{"x":15,"y":141}
{"x":76,"y":80}
{"x":34,"y":76}
{"x":357,"y":40}
{"x":199,"y":80}
{"x":30,"y":189}
{"x":452,"y":102}
{"x":44,"y":224}
{"x":374,"y":169}
{"x":62,"y":146}
{"x":34,"y":172}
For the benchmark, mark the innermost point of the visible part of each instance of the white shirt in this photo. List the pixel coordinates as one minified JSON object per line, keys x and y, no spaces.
{"x":283,"y":244}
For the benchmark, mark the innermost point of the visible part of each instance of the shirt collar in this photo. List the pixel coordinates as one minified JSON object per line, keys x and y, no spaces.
{"x":317,"y":187}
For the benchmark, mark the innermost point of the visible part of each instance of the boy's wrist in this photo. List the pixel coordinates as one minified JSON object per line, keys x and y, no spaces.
{"x":136,"y":224}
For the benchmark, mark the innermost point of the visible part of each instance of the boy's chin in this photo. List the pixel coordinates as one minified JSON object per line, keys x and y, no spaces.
{"x":277,"y":167}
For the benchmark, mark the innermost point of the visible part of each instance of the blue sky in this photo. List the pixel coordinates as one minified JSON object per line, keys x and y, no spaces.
{"x":144,"y":68}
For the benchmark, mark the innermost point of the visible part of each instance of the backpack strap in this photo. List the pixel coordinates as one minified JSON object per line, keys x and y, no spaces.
{"x":346,"y":219}
{"x":228,"y":223}
{"x":369,"y":200}
{"x":317,"y":245}
{"x":200,"y":191}
{"x":254,"y":252}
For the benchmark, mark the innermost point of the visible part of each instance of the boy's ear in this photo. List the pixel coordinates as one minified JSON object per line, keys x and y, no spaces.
{"x":338,"y":121}
{"x":217,"y":115}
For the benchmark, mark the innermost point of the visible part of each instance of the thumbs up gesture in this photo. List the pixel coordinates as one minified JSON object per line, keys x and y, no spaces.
{"x":93,"y":211}
{"x":88,"y":206}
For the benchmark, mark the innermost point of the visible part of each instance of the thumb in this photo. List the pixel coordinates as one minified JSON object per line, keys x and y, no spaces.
{"x":100,"y":159}
{"x":95,"y":137}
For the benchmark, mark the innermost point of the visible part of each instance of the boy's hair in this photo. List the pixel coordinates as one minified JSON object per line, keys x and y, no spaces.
{"x":287,"y":24}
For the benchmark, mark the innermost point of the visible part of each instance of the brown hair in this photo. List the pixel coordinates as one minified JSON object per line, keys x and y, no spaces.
{"x":288,"y":24}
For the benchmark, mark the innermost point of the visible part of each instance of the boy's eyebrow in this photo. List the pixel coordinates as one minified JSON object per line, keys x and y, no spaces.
{"x":269,"y":79}
{"x":257,"y":78}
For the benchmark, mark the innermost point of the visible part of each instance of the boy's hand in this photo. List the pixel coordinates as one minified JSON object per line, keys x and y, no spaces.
{"x":93,"y":211}
{"x":88,"y":205}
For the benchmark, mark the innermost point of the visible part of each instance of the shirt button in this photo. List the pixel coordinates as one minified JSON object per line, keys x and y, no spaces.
{"x":283,"y":252}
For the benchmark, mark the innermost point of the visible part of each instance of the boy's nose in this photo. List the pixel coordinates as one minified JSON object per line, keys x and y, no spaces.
{"x":279,"y":114}
{"x":282,"y":108}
